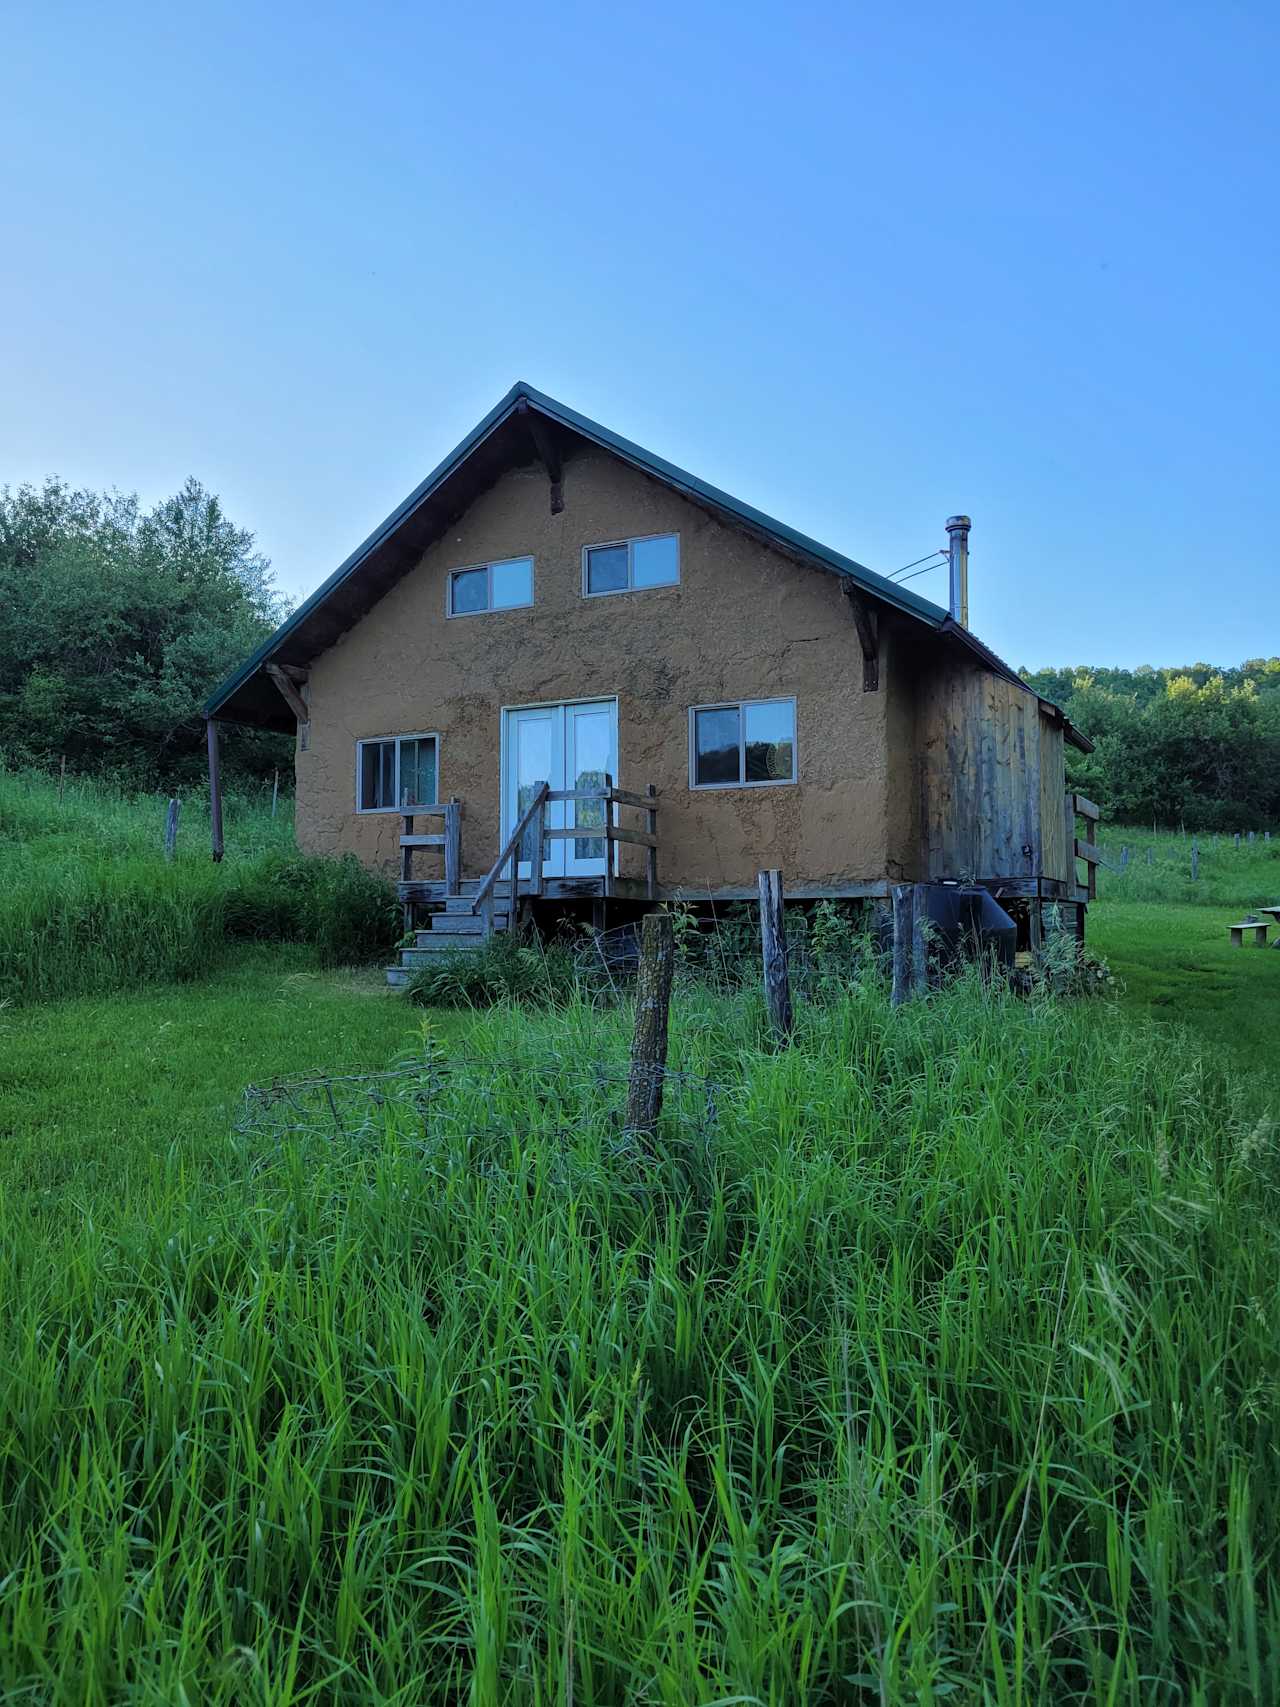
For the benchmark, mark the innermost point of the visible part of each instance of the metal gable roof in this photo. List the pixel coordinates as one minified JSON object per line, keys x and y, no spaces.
{"x":303,"y":635}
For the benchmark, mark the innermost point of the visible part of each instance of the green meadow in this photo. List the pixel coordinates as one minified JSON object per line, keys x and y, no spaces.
{"x":933,"y":1359}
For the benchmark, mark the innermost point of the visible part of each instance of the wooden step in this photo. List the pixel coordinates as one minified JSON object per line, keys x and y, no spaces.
{"x":463,"y":924}
{"x":431,"y":950}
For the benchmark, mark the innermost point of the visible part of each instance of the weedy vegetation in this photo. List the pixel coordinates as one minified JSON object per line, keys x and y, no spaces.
{"x":932,"y":1359}
{"x":88,"y":902}
{"x":935,"y":1359}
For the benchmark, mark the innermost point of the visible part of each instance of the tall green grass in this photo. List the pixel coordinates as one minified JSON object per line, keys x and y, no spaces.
{"x":936,"y":1361}
{"x":89,"y":904}
{"x":1158,"y":868}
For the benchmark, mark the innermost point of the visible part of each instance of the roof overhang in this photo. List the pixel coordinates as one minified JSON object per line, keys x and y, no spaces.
{"x":526,"y":426}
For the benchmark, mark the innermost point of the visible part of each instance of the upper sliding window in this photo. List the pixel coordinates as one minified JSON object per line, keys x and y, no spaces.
{"x":630,"y":564}
{"x":491,"y":586}
{"x":745,"y":744}
{"x":397,"y":772}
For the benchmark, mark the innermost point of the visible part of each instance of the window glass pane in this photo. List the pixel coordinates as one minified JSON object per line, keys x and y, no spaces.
{"x":370,"y":758}
{"x":607,"y":569}
{"x":470,"y":591}
{"x":512,"y":583}
{"x":715,"y":745}
{"x":417,"y":773}
{"x":655,"y":562}
{"x":534,"y":765}
{"x":592,"y":739}
{"x":377,"y":775}
{"x":770,"y":740}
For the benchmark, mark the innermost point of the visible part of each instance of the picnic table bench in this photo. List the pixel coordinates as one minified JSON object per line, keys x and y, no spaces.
{"x":1274,"y":913}
{"x":1259,"y":927}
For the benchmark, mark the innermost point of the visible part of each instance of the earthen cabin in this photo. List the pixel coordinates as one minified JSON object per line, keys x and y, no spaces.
{"x":559,"y":628}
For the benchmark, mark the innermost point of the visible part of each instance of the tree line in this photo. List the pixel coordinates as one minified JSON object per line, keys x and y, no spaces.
{"x":117,"y":622}
{"x":1196,"y":745}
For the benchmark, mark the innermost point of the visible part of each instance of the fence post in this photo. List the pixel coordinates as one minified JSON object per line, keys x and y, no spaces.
{"x":1237,"y":838}
{"x":773,"y":949}
{"x":903,"y":937}
{"x":1252,"y":834}
{"x":171,"y":826}
{"x":1195,"y":863}
{"x":1150,"y":857}
{"x":1124,"y":855}
{"x":649,"y":1038}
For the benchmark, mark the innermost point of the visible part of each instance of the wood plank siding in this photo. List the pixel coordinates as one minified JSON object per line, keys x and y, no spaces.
{"x":991,"y":778}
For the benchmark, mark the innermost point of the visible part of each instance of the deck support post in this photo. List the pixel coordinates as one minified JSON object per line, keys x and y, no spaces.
{"x":903,"y":932}
{"x":452,"y":845}
{"x":649,"y":1039}
{"x":215,"y":787}
{"x":651,"y":854}
{"x":773,"y":949}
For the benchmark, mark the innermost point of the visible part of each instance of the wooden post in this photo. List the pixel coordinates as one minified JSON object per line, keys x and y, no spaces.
{"x":452,"y":845}
{"x":1195,"y":863}
{"x":651,"y":854}
{"x":773,"y":948}
{"x":1252,"y":834}
{"x":1237,"y":838}
{"x":904,"y":895}
{"x":275,"y":792}
{"x":406,"y":852}
{"x":649,"y":1039}
{"x":171,"y":826}
{"x":1124,"y":855}
{"x":538,"y":831}
{"x":215,"y":788}
{"x":919,"y":955}
{"x":1150,"y":857}
{"x":610,"y":825}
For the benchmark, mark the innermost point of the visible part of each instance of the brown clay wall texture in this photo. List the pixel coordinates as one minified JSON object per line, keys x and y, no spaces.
{"x":744,"y":623}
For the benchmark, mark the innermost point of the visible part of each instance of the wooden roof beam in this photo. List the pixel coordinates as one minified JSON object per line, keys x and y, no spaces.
{"x":867,"y":622}
{"x":284,"y":680}
{"x":546,"y":445}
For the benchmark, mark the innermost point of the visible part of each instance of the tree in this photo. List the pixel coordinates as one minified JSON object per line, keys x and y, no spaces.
{"x":1196,"y":745}
{"x":115,"y":625}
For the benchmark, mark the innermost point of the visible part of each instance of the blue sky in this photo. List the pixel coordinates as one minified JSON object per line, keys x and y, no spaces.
{"x":863,"y":266}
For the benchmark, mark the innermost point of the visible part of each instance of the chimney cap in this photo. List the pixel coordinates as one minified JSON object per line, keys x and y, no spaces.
{"x":957,"y":524}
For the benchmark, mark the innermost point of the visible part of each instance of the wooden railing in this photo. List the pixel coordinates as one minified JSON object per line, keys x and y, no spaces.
{"x":533,"y":824}
{"x":1087,"y":850}
{"x":449,"y":838}
{"x":534,"y":816}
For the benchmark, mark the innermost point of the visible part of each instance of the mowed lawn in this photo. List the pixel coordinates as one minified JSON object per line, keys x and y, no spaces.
{"x":1176,"y":963}
{"x":103,"y":1090}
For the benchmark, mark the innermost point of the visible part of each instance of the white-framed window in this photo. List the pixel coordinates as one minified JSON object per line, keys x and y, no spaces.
{"x":744,"y":743}
{"x":628,"y":565}
{"x":491,"y":586}
{"x":397,"y":772}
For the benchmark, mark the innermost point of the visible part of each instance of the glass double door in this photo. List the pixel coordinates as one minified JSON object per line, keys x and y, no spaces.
{"x":572,"y":745}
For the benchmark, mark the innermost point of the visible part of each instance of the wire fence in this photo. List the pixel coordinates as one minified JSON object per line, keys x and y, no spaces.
{"x":482,"y":1100}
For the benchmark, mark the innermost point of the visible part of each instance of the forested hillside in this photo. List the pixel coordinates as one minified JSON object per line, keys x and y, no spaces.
{"x":116,"y":623}
{"x":1193,"y":745}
